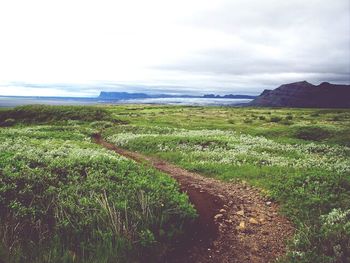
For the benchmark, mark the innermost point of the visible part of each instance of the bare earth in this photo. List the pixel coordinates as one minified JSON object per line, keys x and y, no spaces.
{"x":236,"y":223}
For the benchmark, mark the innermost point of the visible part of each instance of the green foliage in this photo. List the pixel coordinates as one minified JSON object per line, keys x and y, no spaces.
{"x":310,"y":179}
{"x":319,"y":203}
{"x":8,"y":122}
{"x":101,"y":124}
{"x":286,"y":122}
{"x":275,"y":119}
{"x":43,"y":113}
{"x":327,"y":240}
{"x":66,"y":199}
{"x":147,"y":238}
{"x":247,"y":120}
{"x":219,"y":118}
{"x":300,"y":159}
{"x":289,"y":117}
{"x":312,"y":133}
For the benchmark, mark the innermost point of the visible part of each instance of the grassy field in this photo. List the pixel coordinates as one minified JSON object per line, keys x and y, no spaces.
{"x":300,"y":157}
{"x":48,"y":167}
{"x":287,"y":125}
{"x":66,"y":199}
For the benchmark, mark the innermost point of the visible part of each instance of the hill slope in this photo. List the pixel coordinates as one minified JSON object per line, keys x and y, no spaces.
{"x":305,"y":95}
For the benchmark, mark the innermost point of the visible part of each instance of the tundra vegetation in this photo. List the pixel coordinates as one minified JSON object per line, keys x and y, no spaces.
{"x":64,"y":198}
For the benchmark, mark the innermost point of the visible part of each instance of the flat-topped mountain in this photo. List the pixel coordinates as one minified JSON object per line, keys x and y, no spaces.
{"x":305,"y":95}
{"x":129,"y":96}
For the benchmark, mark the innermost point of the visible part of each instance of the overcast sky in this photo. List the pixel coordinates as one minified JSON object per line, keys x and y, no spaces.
{"x":80,"y":47}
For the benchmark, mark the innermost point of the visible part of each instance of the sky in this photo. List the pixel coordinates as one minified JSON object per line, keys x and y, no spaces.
{"x":81,"y":47}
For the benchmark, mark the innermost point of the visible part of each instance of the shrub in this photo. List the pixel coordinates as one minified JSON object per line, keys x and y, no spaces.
{"x":308,"y":179}
{"x":286,"y":122}
{"x":8,"y":122}
{"x":335,"y":232}
{"x":67,"y":200}
{"x":326,"y":240}
{"x":44,"y":113}
{"x":275,"y":119}
{"x":312,"y":133}
{"x":336,"y":118}
{"x":289,"y":117}
{"x":262,"y":118}
{"x":101,"y":124}
{"x":318,"y":202}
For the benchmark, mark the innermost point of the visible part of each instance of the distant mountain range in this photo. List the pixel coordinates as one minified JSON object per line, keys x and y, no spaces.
{"x":129,"y":96}
{"x":305,"y":95}
{"x":298,"y":94}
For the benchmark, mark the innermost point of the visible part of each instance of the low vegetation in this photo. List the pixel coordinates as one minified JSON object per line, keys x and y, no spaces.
{"x":304,"y":165}
{"x":46,"y":114}
{"x":286,"y":126}
{"x":313,"y":133}
{"x":64,"y":198}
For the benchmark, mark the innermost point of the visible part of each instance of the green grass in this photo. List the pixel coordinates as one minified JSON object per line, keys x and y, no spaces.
{"x":47,"y":114}
{"x":253,"y":121}
{"x":299,"y":157}
{"x":66,"y":199}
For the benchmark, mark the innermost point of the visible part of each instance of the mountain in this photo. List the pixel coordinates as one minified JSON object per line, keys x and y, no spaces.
{"x":129,"y":96}
{"x":305,"y":95}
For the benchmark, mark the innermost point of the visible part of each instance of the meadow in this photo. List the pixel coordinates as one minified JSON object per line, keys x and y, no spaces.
{"x":64,"y":198}
{"x":299,"y":157}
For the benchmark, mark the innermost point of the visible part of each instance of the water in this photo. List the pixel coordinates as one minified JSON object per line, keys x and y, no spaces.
{"x":17,"y":101}
{"x":187,"y":101}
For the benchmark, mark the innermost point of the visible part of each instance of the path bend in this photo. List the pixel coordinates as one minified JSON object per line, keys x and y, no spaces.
{"x":236,"y":223}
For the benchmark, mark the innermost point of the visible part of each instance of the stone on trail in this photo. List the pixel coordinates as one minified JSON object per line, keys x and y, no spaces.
{"x":218,"y":216}
{"x":241,"y":226}
{"x":241,"y":213}
{"x":253,"y":221}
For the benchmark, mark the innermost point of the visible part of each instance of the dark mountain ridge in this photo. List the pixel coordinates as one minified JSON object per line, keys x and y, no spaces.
{"x":305,"y":95}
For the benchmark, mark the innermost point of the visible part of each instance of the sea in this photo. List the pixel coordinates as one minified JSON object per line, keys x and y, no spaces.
{"x":18,"y":101}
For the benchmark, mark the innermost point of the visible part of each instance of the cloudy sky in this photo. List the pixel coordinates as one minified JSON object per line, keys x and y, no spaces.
{"x":80,"y":47}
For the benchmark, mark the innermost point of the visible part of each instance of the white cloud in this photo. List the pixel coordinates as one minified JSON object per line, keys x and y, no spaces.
{"x":207,"y":45}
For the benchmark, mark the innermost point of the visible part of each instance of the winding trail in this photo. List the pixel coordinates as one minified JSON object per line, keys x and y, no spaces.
{"x":236,"y":223}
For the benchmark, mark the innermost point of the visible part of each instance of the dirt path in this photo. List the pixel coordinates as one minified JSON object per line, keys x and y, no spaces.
{"x":236,"y":223}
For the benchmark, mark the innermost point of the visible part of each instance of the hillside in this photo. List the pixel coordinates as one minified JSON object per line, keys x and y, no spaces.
{"x":305,"y":95}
